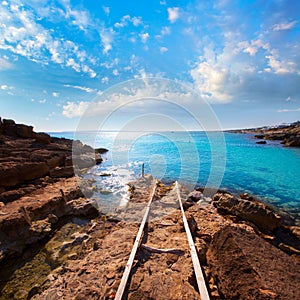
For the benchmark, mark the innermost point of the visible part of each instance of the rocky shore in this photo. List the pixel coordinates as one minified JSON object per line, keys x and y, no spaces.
{"x":37,"y":185}
{"x":289,"y":135}
{"x":55,"y":244}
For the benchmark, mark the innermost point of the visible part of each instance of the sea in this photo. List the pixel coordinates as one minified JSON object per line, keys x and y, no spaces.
{"x":224,"y":160}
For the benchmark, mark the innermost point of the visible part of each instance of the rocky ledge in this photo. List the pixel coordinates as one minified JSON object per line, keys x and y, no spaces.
{"x":37,"y":184}
{"x":289,"y":135}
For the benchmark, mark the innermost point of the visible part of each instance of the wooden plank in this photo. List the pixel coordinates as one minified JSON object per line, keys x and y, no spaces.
{"x":136,"y":244}
{"x":197,"y":267}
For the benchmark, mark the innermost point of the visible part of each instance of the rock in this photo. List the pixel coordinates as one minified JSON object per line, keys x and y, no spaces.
{"x":42,"y":137}
{"x":289,"y":249}
{"x":246,"y":196}
{"x":255,"y":212}
{"x":40,"y":228}
{"x":10,"y":196}
{"x":101,"y":150}
{"x":88,"y":160}
{"x":289,"y":135}
{"x":295,"y":231}
{"x":53,"y":219}
{"x":293,"y":141}
{"x":105,"y":174}
{"x":195,"y":196}
{"x":30,"y":218}
{"x":12,"y":174}
{"x":59,"y":172}
{"x":27,"y":155}
{"x":261,"y":142}
{"x":247,"y":267}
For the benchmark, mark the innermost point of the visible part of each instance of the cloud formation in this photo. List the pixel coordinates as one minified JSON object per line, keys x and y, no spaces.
{"x":173,"y":14}
{"x":20,"y":33}
{"x":284,"y":26}
{"x":5,"y":64}
{"x":229,"y":56}
{"x":288,"y":110}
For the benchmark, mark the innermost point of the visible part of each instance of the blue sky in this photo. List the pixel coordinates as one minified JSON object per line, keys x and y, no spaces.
{"x":241,"y":57}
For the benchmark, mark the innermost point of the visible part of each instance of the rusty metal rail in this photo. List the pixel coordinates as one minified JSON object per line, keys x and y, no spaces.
{"x":196,"y":264}
{"x":135,"y":247}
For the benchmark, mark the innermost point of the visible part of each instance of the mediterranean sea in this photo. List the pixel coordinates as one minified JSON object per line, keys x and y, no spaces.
{"x":229,"y":161}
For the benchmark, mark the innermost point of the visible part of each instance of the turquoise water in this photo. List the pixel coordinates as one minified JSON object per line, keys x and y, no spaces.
{"x":230,"y":161}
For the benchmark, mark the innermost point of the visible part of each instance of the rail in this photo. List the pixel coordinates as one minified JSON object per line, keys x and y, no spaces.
{"x":204,"y":295}
{"x":196,"y":263}
{"x":136,"y":244}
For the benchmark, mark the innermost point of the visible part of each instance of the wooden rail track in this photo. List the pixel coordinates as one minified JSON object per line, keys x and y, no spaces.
{"x":204,"y":295}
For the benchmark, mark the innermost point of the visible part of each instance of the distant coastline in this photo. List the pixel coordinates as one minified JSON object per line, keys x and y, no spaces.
{"x":289,"y":135}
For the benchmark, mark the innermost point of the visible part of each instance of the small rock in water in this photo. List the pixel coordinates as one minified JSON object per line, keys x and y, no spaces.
{"x":105,"y":174}
{"x":195,"y":196}
{"x":105,"y":192}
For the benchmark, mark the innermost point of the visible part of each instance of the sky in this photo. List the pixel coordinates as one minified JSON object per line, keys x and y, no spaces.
{"x":62,"y":58}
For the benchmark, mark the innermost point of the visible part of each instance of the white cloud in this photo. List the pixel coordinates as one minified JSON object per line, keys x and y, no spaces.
{"x":106,"y":10}
{"x":115,"y":72}
{"x":105,"y":79}
{"x":213,"y":82}
{"x":110,"y":64}
{"x":166,"y":30}
{"x":144,"y":37}
{"x":136,"y":21}
{"x":163,"y":49}
{"x":284,"y":26}
{"x":91,"y":72}
{"x":278,"y":66}
{"x":71,"y":63}
{"x":127,"y":19}
{"x":22,"y":34}
{"x":173,"y":14}
{"x":288,"y":110}
{"x":107,"y":36}
{"x":226,"y":75}
{"x":106,"y":105}
{"x":72,"y":109}
{"x":78,"y":17}
{"x":253,"y":46}
{"x":150,"y":97}
{"x":5,"y":87}
{"x":82,"y":88}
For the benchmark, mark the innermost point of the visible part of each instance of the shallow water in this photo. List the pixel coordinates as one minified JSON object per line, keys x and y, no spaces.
{"x":22,"y":278}
{"x":230,"y":161}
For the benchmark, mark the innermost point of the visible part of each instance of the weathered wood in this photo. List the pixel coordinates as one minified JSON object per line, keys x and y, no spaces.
{"x":157,"y":250}
{"x":143,"y":170}
{"x":136,"y":244}
{"x":197,"y":267}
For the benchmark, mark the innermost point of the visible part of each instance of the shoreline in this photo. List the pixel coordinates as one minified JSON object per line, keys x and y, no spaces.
{"x":288,"y":135}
